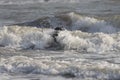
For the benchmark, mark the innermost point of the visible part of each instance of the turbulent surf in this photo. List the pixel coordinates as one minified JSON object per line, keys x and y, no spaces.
{"x":86,"y":49}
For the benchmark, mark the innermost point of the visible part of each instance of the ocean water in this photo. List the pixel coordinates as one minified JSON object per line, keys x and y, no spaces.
{"x":87,"y":49}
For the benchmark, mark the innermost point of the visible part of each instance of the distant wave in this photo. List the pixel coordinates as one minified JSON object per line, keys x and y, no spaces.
{"x":75,"y":21}
{"x":36,"y":1}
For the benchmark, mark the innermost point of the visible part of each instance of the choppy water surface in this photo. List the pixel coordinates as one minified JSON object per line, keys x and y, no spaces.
{"x":88,"y":48}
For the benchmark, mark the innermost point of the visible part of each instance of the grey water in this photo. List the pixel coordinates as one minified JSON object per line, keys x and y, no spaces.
{"x":17,"y":11}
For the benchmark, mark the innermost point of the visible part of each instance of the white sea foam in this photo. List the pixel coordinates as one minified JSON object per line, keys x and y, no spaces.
{"x":97,"y":42}
{"x":78,"y":68}
{"x":17,"y":37}
{"x":37,"y":38}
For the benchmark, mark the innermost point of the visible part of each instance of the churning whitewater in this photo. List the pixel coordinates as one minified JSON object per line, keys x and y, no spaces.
{"x":88,"y":47}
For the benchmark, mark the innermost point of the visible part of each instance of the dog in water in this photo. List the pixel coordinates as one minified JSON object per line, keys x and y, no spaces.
{"x":56,"y":32}
{"x":55,"y":44}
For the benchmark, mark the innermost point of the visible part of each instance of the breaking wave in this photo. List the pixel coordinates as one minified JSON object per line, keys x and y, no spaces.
{"x":74,"y":21}
{"x":81,"y":33}
{"x":19,"y":37}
